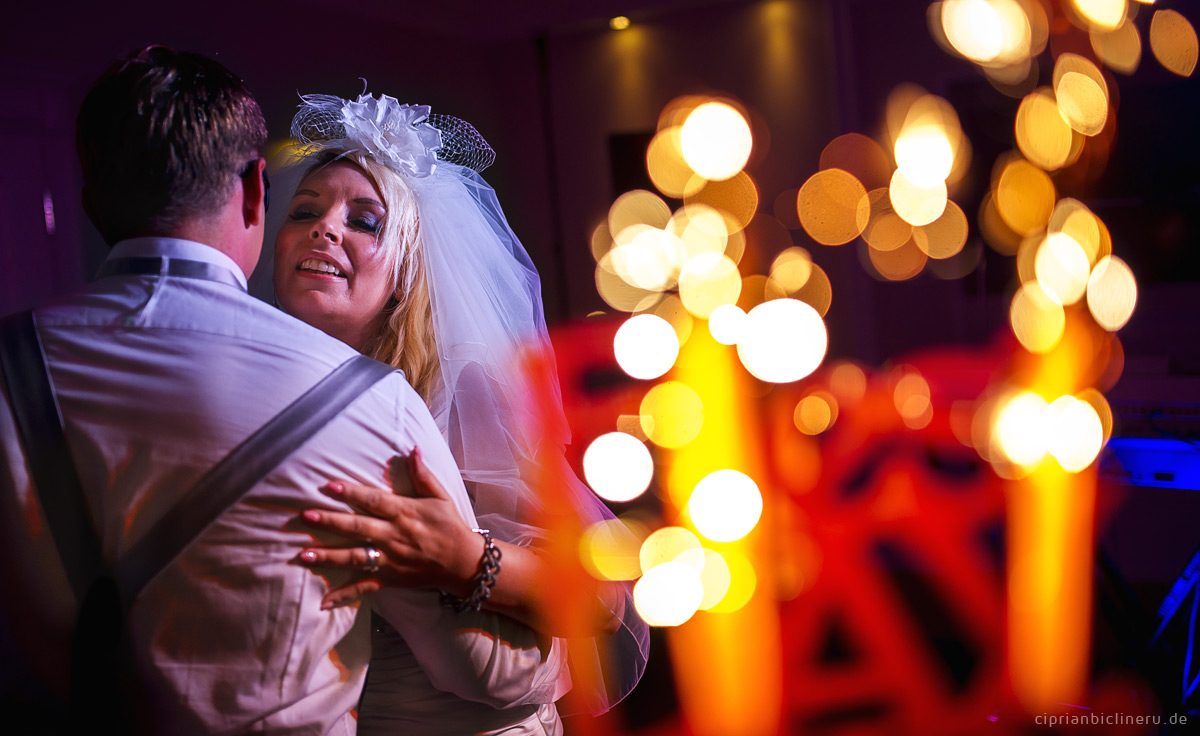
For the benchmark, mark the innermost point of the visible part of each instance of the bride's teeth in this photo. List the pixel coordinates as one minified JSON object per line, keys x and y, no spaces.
{"x":312,"y":264}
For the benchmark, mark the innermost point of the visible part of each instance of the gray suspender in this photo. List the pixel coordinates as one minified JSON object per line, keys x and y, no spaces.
{"x":39,"y":424}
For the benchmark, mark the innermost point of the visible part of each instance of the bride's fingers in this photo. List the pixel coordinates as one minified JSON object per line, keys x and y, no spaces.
{"x":424,"y":481}
{"x":348,"y":594}
{"x":374,"y":501}
{"x":354,"y":558}
{"x":366,"y":528}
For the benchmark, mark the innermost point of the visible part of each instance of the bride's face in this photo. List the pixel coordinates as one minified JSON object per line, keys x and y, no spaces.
{"x":330,"y":268}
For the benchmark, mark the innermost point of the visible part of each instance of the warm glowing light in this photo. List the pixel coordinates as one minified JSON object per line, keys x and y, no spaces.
{"x":1062,"y":268}
{"x":1073,"y":218}
{"x":609,"y":549}
{"x":735,"y":199}
{"x":619,"y":293}
{"x":817,"y":292}
{"x":716,"y":140}
{"x":1100,"y":405}
{"x":924,"y":154}
{"x":973,"y":28}
{"x":1073,"y":433}
{"x":815,"y":413}
{"x":646,"y":346}
{"x":671,"y":414}
{"x":1082,"y":94}
{"x":848,"y":382}
{"x":638,"y":207}
{"x":1024,"y":197}
{"x":897,"y":264}
{"x":945,"y":236}
{"x":828,"y":205}
{"x":791,"y":270}
{"x":671,"y":544}
{"x":618,"y":466}
{"x":784,"y":341}
{"x":619,"y":23}
{"x":916,"y":204}
{"x":715,"y":578}
{"x":861,"y":157}
{"x":725,"y":505}
{"x":1111,"y":293}
{"x":726,"y":323}
{"x":668,"y":594}
{"x":912,"y":400}
{"x":648,"y":258}
{"x":881,"y":227}
{"x":707,"y":281}
{"x":667,"y":168}
{"x":1173,"y":42}
{"x":742,"y":582}
{"x":1043,"y":136}
{"x":1120,"y":50}
{"x":701,"y":229}
{"x":1105,"y":15}
{"x":1037,"y":320}
{"x":672,"y":310}
{"x":1021,"y":429}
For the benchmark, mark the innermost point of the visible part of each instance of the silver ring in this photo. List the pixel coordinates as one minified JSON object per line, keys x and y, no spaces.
{"x":373,"y":557}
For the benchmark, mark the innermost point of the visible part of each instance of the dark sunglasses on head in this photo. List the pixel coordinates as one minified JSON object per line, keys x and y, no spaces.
{"x":266,"y":182}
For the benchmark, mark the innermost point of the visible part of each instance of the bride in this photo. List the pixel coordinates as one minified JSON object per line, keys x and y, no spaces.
{"x":393,"y":243}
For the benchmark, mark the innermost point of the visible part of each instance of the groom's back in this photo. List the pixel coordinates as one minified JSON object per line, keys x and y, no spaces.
{"x":159,"y":377}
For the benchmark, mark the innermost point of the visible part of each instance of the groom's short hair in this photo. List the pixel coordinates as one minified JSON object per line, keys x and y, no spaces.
{"x":162,"y":137}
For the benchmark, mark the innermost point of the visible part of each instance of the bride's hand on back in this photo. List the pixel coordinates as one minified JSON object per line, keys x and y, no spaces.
{"x":422,"y":540}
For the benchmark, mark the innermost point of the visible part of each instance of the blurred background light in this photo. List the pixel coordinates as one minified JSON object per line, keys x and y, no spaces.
{"x":1037,"y":320}
{"x":716,"y":140}
{"x":1120,"y":49}
{"x":1020,"y":429}
{"x":671,"y":544}
{"x":784,"y":341}
{"x":619,"y":23}
{"x":715,"y":579}
{"x":1105,"y":15}
{"x":1062,"y":268}
{"x":917,"y":204}
{"x":725,"y":505}
{"x":1043,"y":135}
{"x":742,"y":583}
{"x":610,"y":549}
{"x":1173,"y":42}
{"x":672,"y":414}
{"x":828,"y":205}
{"x":646,"y":346}
{"x":1073,"y":433}
{"x":668,"y":594}
{"x":1111,"y":293}
{"x":708,"y":281}
{"x":815,"y":413}
{"x":618,"y":466}
{"x":726,"y":323}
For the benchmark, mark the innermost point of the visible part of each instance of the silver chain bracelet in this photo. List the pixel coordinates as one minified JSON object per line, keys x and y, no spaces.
{"x":489,"y":570}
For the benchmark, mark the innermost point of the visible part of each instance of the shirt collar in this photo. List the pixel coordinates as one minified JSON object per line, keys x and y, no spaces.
{"x":188,"y":250}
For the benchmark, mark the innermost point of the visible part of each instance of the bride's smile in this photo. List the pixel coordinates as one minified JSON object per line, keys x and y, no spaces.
{"x":330,"y":270}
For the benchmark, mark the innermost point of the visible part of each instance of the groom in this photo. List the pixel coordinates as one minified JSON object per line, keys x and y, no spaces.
{"x":160,"y":368}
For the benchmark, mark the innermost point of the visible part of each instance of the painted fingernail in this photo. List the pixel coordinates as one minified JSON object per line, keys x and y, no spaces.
{"x":336,"y":488}
{"x":308,"y":556}
{"x":326,"y":605}
{"x":311,"y":515}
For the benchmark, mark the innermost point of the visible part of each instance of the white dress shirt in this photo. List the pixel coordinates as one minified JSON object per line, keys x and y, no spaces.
{"x":158,"y":378}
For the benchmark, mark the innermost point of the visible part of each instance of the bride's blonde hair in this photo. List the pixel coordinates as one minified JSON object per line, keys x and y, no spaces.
{"x":405,"y":339}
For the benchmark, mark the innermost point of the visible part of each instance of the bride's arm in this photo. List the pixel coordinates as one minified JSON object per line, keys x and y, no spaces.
{"x":427,"y":545}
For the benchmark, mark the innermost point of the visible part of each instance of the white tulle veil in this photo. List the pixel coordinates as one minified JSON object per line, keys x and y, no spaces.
{"x":486,"y":302}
